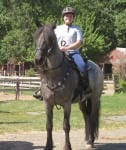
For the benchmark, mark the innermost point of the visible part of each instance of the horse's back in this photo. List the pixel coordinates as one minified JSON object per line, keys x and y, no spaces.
{"x":95,"y":75}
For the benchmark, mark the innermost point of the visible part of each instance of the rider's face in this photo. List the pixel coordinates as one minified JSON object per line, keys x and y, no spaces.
{"x":68,"y":18}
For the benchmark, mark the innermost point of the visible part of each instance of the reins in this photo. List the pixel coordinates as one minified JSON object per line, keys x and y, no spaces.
{"x":60,"y":83}
{"x":45,"y":65}
{"x":49,"y":50}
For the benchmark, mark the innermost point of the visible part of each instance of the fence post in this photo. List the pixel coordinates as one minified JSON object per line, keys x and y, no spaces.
{"x":17,"y":89}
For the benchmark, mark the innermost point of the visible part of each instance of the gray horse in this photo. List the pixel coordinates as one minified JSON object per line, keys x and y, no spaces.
{"x":59,"y":81}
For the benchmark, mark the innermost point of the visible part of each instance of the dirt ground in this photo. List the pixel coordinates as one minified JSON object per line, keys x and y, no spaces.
{"x":108,"y":140}
{"x":6,"y":97}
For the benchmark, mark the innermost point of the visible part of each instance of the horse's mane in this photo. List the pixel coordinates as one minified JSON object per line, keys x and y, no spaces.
{"x":48,"y":31}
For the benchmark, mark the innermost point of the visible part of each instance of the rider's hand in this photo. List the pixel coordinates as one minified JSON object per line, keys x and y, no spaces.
{"x":64,"y":48}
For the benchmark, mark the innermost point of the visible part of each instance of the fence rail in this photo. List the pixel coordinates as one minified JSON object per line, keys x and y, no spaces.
{"x":17,"y":84}
{"x":28,"y":83}
{"x":14,"y":78}
{"x":109,"y":87}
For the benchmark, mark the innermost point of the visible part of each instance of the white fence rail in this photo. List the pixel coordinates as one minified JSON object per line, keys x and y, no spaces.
{"x":18,"y":83}
{"x":23,"y":82}
{"x":109,"y":87}
{"x":34,"y":82}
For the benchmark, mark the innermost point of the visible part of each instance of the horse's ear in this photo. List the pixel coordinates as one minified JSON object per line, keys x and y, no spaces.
{"x":53,"y":25}
{"x":38,"y":24}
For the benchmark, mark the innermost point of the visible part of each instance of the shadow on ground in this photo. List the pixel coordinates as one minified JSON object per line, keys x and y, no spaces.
{"x":110,"y":146}
{"x":18,"y":145}
{"x":22,"y":145}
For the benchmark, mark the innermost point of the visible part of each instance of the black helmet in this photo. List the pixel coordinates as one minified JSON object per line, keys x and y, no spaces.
{"x":68,"y":9}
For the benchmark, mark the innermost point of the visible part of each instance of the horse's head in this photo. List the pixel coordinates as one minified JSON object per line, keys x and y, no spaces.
{"x":46,"y":42}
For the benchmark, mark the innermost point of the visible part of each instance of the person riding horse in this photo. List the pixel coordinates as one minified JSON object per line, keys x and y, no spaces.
{"x":69,"y":38}
{"x":60,"y":82}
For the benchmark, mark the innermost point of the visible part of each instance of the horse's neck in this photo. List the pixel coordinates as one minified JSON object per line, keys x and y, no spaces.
{"x":55,"y":65}
{"x":55,"y":60}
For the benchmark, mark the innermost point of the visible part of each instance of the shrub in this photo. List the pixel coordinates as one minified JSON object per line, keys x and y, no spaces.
{"x":122,"y":85}
{"x":30,"y":73}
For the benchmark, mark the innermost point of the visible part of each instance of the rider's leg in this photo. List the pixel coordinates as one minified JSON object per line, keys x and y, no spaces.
{"x":80,"y":63}
{"x":82,"y":68}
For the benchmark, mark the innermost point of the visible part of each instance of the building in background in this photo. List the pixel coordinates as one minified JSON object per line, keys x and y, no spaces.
{"x":114,"y":62}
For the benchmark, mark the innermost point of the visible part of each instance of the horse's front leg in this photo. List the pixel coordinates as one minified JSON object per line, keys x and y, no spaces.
{"x":49,"y":126}
{"x":66,"y":126}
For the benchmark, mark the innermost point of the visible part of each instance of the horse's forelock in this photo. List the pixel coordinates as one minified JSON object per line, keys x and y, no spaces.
{"x":38,"y":32}
{"x":49,"y":34}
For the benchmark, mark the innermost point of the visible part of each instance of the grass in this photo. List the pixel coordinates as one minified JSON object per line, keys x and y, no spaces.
{"x":8,"y":90}
{"x":113,"y":106}
{"x":18,"y":116}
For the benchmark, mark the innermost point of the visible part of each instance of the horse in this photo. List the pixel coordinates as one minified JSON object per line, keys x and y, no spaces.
{"x":59,"y":81}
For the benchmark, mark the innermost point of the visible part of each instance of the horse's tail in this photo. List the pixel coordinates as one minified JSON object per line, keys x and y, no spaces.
{"x":95,"y":116}
{"x":92,"y":115}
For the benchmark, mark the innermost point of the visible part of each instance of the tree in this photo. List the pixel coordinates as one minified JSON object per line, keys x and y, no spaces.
{"x":120,"y":23}
{"x":97,"y":22}
{"x":100,"y":22}
{"x":93,"y":43}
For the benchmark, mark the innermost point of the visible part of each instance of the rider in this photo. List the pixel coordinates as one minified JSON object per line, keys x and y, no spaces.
{"x":69,"y":38}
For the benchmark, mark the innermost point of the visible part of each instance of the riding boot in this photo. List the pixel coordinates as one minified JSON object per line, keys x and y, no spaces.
{"x":37,"y":95}
{"x":85,"y":81}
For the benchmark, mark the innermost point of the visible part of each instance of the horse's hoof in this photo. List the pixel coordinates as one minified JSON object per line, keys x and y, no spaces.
{"x":48,"y":148}
{"x":88,"y":146}
{"x":68,"y":147}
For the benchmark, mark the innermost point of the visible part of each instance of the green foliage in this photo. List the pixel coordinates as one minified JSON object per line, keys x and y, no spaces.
{"x":30,"y":73}
{"x":13,"y":42}
{"x":102,"y":23}
{"x":122,"y":85}
{"x":120,"y":29}
{"x":93,"y":42}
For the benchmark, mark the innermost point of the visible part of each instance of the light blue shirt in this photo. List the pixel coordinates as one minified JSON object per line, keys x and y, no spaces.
{"x":67,"y":35}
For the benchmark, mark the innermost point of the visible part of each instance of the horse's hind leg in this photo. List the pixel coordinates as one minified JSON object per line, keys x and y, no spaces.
{"x":90,"y":109}
{"x":66,"y":126}
{"x":85,"y":107}
{"x":49,"y":126}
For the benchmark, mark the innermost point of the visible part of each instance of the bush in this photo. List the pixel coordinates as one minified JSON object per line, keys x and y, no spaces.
{"x":122,"y":85}
{"x":30,"y":73}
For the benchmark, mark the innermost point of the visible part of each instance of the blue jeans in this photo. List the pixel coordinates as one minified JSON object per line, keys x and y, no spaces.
{"x":78,"y":60}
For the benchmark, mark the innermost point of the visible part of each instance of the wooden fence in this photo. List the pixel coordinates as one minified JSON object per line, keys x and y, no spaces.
{"x":24,"y":82}
{"x":18,"y":83}
{"x":109,"y":87}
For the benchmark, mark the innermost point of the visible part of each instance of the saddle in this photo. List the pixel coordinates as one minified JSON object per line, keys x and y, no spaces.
{"x":83,"y":86}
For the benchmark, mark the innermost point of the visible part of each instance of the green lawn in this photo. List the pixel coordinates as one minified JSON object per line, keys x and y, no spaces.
{"x":18,"y":116}
{"x":112,"y":107}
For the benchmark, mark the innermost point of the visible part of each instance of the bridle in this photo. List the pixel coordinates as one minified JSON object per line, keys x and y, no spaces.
{"x":44,"y":66}
{"x":47,"y":53}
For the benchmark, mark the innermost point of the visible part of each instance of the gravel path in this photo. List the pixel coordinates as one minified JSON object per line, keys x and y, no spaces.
{"x":108,"y":140}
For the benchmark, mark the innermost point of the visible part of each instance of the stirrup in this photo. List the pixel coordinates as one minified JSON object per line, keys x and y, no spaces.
{"x":39,"y":97}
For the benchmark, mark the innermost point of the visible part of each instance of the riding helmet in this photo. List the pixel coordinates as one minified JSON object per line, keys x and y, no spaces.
{"x":68,"y":9}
